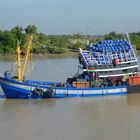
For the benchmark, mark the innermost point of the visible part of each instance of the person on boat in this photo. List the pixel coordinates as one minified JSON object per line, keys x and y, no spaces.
{"x":105,"y":82}
{"x":86,"y":77}
{"x":7,"y":74}
{"x":113,"y":82}
{"x":124,"y":79}
{"x":115,"y":61}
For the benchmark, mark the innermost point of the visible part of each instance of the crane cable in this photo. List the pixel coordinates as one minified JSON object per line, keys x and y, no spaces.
{"x":53,"y":65}
{"x":23,"y":48}
{"x":56,"y":67}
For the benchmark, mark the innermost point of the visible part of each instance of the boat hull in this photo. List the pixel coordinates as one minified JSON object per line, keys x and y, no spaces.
{"x":132,"y":89}
{"x":16,"y":93}
{"x":21,"y":90}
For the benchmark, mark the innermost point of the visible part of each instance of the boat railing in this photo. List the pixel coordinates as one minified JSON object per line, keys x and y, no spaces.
{"x":118,"y":72}
{"x":41,"y":82}
{"x":88,"y":58}
{"x":107,"y":58}
{"x":112,"y":66}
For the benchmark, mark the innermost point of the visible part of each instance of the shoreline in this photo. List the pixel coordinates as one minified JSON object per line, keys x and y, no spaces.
{"x":47,"y":55}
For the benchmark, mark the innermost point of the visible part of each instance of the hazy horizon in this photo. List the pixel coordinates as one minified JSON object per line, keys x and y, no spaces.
{"x":94,"y":17}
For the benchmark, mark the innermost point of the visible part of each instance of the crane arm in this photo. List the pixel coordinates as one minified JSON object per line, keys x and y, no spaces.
{"x":26,"y":57}
{"x":19,"y":64}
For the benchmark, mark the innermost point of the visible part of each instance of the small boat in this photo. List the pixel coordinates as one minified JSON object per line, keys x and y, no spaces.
{"x":104,"y":69}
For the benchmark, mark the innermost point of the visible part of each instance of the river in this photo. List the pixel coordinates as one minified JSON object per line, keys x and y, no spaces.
{"x":95,"y":118}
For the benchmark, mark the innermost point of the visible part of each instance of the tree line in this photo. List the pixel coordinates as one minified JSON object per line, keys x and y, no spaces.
{"x":9,"y":39}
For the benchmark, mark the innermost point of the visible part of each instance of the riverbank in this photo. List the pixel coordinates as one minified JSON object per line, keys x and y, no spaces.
{"x":38,"y":56}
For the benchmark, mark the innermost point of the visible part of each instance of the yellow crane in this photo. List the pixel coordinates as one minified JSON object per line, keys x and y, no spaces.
{"x":19,"y":64}
{"x":21,"y":73}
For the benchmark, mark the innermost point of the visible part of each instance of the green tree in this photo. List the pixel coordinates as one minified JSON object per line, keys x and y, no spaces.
{"x":135,"y":39}
{"x":75,"y":47}
{"x":31,"y":29}
{"x":60,"y":43}
{"x":78,"y":36}
{"x":7,"y":42}
{"x":112,"y":35}
{"x":17,"y":32}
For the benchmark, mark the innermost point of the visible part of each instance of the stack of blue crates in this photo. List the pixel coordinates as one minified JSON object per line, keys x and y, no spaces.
{"x":106,"y":50}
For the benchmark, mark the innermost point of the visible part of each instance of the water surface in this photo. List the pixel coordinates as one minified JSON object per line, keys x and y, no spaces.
{"x":96,"y":118}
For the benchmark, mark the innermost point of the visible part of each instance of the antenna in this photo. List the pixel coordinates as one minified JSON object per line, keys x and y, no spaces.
{"x":128,"y":37}
{"x":87,"y":28}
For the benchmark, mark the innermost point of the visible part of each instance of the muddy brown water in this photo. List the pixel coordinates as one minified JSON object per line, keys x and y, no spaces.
{"x":95,"y":118}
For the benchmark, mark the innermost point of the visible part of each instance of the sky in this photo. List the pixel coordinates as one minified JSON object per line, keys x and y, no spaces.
{"x":95,"y":17}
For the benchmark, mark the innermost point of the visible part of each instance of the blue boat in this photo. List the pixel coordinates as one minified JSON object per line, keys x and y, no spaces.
{"x":36,"y":89}
{"x":106,"y":67}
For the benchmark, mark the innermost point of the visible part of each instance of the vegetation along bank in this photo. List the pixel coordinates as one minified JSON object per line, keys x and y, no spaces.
{"x":53,"y":44}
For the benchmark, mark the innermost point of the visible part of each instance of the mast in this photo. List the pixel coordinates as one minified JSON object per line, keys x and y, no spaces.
{"x":26,"y":57}
{"x":19,"y":64}
{"x":128,"y":37}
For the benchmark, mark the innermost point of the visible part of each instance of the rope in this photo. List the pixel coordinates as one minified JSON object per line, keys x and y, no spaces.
{"x":57,"y":68}
{"x":53,"y":65}
{"x":28,"y":72}
{"x":13,"y":69}
{"x":76,"y":50}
